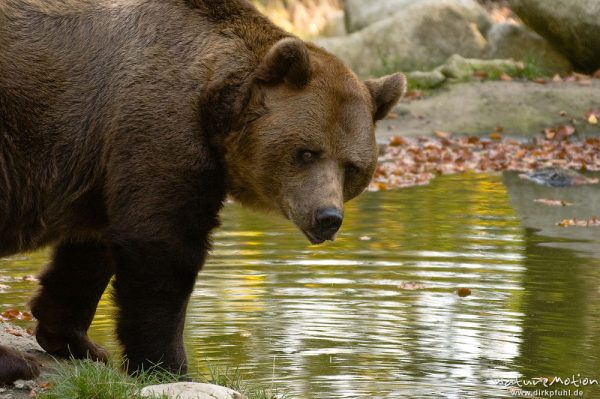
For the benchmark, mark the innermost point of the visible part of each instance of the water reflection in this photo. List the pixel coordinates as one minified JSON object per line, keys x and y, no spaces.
{"x":337,"y":321}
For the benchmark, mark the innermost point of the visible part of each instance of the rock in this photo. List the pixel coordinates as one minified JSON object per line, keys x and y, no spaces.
{"x":360,"y":13}
{"x":334,"y":26}
{"x":419,"y":37}
{"x":520,"y":108}
{"x":573,"y":27}
{"x":190,"y":390}
{"x":461,"y":68}
{"x":425,"y":80}
{"x":25,"y":384}
{"x":521,"y":43}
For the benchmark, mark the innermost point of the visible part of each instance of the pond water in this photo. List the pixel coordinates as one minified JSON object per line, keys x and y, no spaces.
{"x":344,"y":320}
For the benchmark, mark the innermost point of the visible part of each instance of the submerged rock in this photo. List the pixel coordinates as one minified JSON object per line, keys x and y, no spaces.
{"x":573,"y":27}
{"x":190,"y":390}
{"x":556,"y":177}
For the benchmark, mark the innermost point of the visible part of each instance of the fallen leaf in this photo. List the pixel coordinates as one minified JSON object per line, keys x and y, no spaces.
{"x":505,"y":77}
{"x":413,"y":95}
{"x":552,"y":202}
{"x":564,"y":131}
{"x":591,"y":222}
{"x":480,"y":74}
{"x":15,"y":314}
{"x":463,"y":292}
{"x":540,"y":81}
{"x":396,"y":141}
{"x":410,"y":286}
{"x":442,"y":134}
{"x":593,"y":119}
{"x":14,"y":332}
{"x":495,"y":136}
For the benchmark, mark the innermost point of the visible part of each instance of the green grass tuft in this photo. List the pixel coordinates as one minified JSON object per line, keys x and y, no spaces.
{"x":233,"y":378}
{"x":86,"y":379}
{"x":93,"y":380}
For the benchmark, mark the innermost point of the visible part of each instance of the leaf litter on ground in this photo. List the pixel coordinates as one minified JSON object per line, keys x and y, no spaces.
{"x":413,"y":161}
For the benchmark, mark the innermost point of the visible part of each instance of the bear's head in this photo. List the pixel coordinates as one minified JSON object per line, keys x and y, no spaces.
{"x":307,"y":143}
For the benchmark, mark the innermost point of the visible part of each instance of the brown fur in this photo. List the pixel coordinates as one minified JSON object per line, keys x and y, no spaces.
{"x":124,"y":123}
{"x":16,"y":366}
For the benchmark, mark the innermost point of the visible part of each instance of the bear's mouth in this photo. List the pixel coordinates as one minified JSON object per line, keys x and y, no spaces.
{"x":313,"y":239}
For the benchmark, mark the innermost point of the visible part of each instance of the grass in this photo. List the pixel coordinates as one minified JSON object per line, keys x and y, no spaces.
{"x":87,"y":379}
{"x":93,"y":380}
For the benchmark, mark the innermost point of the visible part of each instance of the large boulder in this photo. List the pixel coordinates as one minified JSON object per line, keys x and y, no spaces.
{"x":573,"y":27}
{"x":520,"y":108}
{"x":419,"y":37}
{"x":521,"y":43}
{"x":360,"y":13}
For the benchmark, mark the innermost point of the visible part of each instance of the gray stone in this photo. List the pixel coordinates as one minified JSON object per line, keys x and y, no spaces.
{"x":425,"y":80}
{"x":573,"y":27}
{"x":360,"y":13}
{"x":420,"y":37}
{"x":520,"y":108}
{"x":461,"y":68}
{"x":190,"y":390}
{"x":518,"y":42}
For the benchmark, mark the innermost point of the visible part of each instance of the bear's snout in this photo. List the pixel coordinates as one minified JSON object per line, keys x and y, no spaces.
{"x":327,"y":223}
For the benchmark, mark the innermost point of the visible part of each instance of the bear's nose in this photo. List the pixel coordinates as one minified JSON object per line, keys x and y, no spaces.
{"x":328,"y":221}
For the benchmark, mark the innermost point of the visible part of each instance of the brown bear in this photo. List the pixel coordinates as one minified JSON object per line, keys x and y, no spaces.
{"x":123,"y":126}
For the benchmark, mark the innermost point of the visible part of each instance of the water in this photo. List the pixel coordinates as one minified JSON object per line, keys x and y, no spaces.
{"x":342,"y":320}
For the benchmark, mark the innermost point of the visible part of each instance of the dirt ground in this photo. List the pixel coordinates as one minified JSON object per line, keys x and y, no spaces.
{"x":519,"y":108}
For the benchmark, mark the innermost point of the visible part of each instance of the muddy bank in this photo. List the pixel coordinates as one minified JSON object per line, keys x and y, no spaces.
{"x":519,"y":108}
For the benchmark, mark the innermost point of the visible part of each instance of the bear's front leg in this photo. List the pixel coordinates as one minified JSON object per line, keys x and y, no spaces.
{"x":71,"y":287}
{"x":163,"y":196}
{"x":154,"y":281}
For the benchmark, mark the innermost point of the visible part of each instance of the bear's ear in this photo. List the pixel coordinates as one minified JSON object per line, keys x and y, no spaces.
{"x":287,"y":61}
{"x":386,"y":92}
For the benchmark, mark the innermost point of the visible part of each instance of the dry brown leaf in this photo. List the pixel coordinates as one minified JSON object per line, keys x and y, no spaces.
{"x":411,"y":286}
{"x":12,"y":331}
{"x":552,"y":202}
{"x":591,"y":222}
{"x":442,"y":134}
{"x":463,"y":292}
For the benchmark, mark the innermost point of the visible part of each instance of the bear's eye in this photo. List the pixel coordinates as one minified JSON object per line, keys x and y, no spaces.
{"x":307,"y":156}
{"x":351,"y":169}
